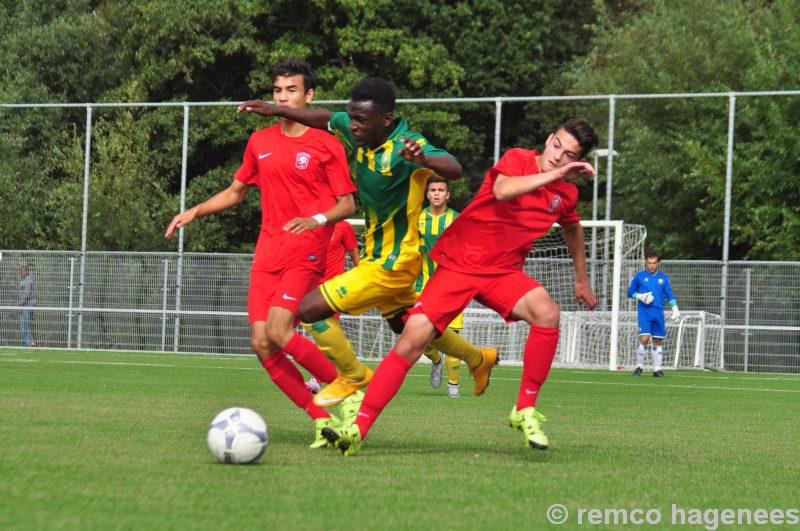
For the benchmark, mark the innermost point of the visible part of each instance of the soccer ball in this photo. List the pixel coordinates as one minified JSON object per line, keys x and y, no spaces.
{"x":237,"y":436}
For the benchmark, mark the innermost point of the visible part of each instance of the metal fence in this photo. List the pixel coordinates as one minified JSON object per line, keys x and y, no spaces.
{"x":132,"y":302}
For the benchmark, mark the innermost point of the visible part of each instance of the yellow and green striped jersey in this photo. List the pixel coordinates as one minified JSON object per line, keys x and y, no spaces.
{"x":392,"y":190}
{"x":430,"y":228}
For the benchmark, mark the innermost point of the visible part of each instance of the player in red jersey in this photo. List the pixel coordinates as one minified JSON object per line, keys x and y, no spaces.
{"x":480,"y":257}
{"x":304,"y":180}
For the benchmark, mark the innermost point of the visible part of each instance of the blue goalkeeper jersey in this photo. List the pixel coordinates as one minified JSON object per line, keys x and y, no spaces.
{"x":657,"y":284}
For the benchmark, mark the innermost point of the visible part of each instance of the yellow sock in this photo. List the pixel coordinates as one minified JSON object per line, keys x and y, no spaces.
{"x":455,"y":345}
{"x":330,"y":339}
{"x":453,"y":369}
{"x":433,"y":355}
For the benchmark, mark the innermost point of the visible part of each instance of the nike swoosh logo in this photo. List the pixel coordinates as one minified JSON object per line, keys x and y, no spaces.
{"x":360,"y":414}
{"x":322,"y":402}
{"x":529,"y":392}
{"x":288,"y":298}
{"x":263,"y":155}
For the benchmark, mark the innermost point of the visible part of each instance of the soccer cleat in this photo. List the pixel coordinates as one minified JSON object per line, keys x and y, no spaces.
{"x":452,"y":390}
{"x":436,"y":373}
{"x":341,"y":388}
{"x":322,"y":424}
{"x":637,"y":371}
{"x":348,"y":409}
{"x":313,"y":386}
{"x":659,"y":373}
{"x":482,"y":372}
{"x":529,"y":422}
{"x":346,"y":439}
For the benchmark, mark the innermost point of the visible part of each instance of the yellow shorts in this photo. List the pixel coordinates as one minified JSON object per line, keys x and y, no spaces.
{"x":369,"y":286}
{"x":457,"y":323}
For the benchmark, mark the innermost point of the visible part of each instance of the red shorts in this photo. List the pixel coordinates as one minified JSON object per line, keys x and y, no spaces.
{"x":284,"y":288}
{"x":448,"y":292}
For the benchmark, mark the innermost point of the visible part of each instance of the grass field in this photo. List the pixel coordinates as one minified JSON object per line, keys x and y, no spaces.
{"x":95,"y":440}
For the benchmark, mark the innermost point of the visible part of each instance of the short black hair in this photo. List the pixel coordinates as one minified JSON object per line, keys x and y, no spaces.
{"x":296,"y":67}
{"x":375,"y":90}
{"x":583,"y":133}
{"x":652,"y":254}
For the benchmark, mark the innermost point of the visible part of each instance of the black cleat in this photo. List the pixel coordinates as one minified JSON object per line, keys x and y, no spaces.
{"x":638,"y":371}
{"x":659,"y":374}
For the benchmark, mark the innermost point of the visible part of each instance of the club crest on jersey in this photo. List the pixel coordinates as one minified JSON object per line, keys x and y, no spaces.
{"x":554,"y":204}
{"x":386,"y":160}
{"x":660,"y":280}
{"x":301,"y":162}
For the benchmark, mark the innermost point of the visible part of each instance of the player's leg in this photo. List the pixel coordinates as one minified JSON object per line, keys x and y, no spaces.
{"x":454,"y":364}
{"x":332,"y":341}
{"x":537,"y":308}
{"x":352,"y":292}
{"x":272,"y":357}
{"x":426,"y":318}
{"x":644,"y":323}
{"x":659,"y":333}
{"x":293,"y":284}
{"x":388,"y":379}
{"x":480,"y":361}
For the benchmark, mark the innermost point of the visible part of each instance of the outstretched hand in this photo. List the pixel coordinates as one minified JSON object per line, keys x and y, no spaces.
{"x":412,"y":152}
{"x":573,"y":170}
{"x":258,"y":107}
{"x":180,"y":221}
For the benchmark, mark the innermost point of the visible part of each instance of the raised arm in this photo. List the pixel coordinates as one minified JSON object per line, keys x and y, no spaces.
{"x":317,"y":118}
{"x":445,"y":165}
{"x":508,"y":187}
{"x":231,"y":196}
{"x":573,"y":234}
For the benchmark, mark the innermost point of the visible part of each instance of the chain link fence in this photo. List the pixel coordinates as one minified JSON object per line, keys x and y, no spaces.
{"x":132,"y":302}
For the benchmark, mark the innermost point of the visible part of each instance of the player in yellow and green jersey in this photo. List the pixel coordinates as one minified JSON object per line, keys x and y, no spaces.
{"x":433,"y":221}
{"x":392,"y":164}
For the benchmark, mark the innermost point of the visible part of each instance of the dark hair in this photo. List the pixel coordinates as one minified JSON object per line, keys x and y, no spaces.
{"x":375,"y":90}
{"x":652,"y":254}
{"x":583,"y":133}
{"x":296,"y":67}
{"x":436,"y":179}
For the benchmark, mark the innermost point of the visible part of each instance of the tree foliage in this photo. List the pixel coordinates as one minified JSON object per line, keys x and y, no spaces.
{"x":669,"y":173}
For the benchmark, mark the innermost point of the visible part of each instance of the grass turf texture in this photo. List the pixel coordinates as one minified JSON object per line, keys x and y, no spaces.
{"x":95,"y":440}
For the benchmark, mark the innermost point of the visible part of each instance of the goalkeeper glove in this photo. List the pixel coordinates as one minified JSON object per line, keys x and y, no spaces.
{"x":645,"y":298}
{"x":676,"y":314}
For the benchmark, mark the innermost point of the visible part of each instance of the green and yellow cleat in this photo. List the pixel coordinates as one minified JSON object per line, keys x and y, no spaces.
{"x":347,"y":439}
{"x":321,"y":424}
{"x":529,"y":422}
{"x":348,"y":409}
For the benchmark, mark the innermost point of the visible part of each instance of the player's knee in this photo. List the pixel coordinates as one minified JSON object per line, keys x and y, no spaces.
{"x":259,"y":344}
{"x":278,"y":335}
{"x":547,"y":315}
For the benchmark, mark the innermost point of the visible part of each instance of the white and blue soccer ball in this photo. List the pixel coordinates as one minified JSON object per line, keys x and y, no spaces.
{"x":238,"y":436}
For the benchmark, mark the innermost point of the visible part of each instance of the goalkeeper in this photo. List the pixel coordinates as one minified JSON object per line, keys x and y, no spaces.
{"x":652,"y":289}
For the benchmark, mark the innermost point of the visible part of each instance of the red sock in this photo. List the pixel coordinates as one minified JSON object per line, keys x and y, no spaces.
{"x":540,"y":349}
{"x":290,"y":381}
{"x":385,"y":383}
{"x":307,"y":354}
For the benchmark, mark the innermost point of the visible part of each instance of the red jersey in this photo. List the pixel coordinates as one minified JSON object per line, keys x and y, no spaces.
{"x":298,"y":177}
{"x":492,"y":236}
{"x":343,"y":240}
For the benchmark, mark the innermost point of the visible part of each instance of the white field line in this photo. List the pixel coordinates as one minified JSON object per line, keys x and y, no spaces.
{"x":551,"y":381}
